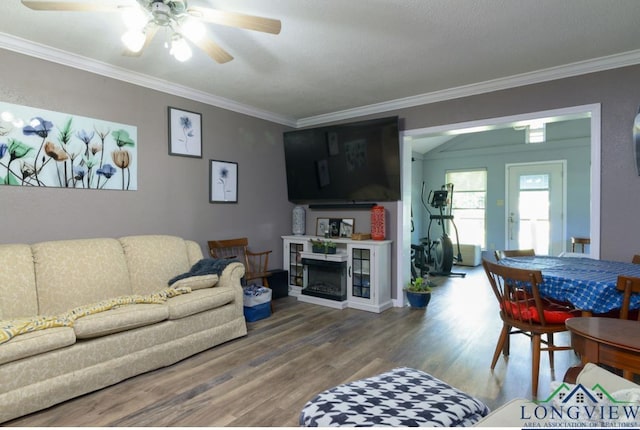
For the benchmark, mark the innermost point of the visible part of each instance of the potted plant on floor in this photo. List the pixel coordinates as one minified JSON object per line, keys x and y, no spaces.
{"x":419,"y":293}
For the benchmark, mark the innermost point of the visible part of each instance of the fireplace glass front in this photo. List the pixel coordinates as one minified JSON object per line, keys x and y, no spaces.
{"x":325,"y":279}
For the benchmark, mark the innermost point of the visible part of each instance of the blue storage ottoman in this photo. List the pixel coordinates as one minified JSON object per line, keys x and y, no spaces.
{"x":257,"y":303}
{"x":402,"y":397}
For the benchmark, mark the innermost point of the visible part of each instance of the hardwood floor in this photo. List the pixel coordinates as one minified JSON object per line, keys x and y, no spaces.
{"x":265,"y":378}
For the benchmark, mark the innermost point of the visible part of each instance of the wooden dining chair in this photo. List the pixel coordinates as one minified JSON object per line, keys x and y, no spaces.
{"x":581,"y":241}
{"x":500,"y":254}
{"x":636,"y":259}
{"x":628,"y":285}
{"x":256,"y":263}
{"x":523,"y":311}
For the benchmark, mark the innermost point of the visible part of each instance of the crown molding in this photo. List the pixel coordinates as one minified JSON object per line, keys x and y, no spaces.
{"x":624,"y":59}
{"x":26,"y":47}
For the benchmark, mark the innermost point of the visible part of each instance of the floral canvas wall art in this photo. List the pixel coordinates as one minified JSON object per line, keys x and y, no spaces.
{"x":42,"y":148}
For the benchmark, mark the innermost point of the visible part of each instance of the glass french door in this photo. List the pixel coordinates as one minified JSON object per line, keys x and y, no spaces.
{"x":535,"y":207}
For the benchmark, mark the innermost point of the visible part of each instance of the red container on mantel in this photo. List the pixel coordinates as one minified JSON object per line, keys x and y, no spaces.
{"x":377,"y":222}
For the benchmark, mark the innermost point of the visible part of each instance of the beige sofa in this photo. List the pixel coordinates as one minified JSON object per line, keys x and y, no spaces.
{"x":47,"y":360}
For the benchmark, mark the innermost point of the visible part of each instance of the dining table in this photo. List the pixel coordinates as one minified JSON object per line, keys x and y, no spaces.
{"x":609,"y":341}
{"x":588,"y":284}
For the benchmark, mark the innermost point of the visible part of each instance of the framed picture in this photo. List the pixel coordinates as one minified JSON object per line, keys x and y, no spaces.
{"x":332,"y":143}
{"x":322,"y":227}
{"x":223,"y":181}
{"x":346,"y":227}
{"x":335,"y":227}
{"x":185,"y":133}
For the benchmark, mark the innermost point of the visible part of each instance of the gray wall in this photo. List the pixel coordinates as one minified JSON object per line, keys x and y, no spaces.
{"x":173,"y":192}
{"x":618,"y":92}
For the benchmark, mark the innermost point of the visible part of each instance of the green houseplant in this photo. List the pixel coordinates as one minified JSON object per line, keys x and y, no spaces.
{"x":418,"y":293}
{"x":323,"y":246}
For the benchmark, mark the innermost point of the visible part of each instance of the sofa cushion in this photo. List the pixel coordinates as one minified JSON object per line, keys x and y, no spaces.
{"x":196,"y":282}
{"x":15,"y":327}
{"x":402,"y":397}
{"x":17,"y":282}
{"x":37,"y":342}
{"x":153,"y":260}
{"x":72,"y":273}
{"x":193,"y":251}
{"x":119,"y":319}
{"x":199,"y":301}
{"x":553,"y":313}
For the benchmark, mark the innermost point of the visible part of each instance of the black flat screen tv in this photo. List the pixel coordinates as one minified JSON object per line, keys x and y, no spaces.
{"x":357,"y":162}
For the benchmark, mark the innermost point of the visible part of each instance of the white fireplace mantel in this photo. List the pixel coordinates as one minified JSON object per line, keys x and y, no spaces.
{"x":368,"y":271}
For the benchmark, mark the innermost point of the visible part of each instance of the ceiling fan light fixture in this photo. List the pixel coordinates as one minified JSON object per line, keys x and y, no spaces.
{"x":143,"y":19}
{"x":180,"y":49}
{"x":6,"y":116}
{"x":133,"y":40}
{"x":134,"y":18}
{"x":193,"y":30}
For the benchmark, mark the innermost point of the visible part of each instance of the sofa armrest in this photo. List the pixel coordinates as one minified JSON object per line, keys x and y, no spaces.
{"x":232,"y":275}
{"x":507,"y":415}
{"x":592,"y":374}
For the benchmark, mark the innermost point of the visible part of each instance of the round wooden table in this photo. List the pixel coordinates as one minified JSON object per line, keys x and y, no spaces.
{"x":610,"y":341}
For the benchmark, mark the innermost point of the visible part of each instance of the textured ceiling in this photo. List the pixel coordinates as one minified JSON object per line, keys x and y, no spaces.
{"x":349,"y":56}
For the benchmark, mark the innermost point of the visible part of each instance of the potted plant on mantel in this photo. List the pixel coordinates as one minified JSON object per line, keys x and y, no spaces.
{"x":419,"y":293}
{"x":323,"y":246}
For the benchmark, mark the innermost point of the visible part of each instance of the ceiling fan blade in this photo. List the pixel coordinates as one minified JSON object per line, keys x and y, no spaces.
{"x":214,"y":50}
{"x":72,"y":6}
{"x":149,"y":33}
{"x":234,"y":19}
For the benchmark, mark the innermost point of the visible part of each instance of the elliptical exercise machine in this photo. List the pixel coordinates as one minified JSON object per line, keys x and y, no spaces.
{"x":437,"y":252}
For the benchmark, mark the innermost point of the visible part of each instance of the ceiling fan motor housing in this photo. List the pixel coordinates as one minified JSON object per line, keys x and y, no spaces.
{"x":161,"y":13}
{"x":165,"y":11}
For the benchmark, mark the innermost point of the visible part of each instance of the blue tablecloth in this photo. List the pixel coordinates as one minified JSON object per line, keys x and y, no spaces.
{"x":590,"y":285}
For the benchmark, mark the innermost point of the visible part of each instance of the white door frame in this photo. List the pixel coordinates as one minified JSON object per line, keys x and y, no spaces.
{"x":403,"y":207}
{"x":508,"y":197}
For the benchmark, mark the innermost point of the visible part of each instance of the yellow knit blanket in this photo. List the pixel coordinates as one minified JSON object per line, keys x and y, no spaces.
{"x":11,"y":328}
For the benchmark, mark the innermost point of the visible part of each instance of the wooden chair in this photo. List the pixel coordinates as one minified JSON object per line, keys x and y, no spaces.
{"x":582,"y":241}
{"x":523,"y":311}
{"x":636,"y":259}
{"x":256,"y":263}
{"x":500,"y":254}
{"x":628,"y":285}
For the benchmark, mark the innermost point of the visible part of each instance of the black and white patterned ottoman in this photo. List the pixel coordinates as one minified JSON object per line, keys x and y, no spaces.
{"x":402,"y":397}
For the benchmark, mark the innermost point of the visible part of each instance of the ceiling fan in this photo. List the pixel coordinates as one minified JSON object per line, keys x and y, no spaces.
{"x":143,"y":18}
